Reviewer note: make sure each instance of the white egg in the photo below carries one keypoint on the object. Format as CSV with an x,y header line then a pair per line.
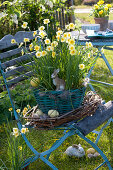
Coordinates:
x,y
39,112
53,113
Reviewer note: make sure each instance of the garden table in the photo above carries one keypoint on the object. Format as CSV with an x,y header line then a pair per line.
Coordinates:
x,y
81,38
81,128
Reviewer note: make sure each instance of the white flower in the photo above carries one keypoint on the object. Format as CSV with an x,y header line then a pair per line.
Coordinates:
x,y
15,130
46,21
41,28
13,41
24,25
71,26
38,54
86,81
49,48
26,40
44,53
3,14
71,47
49,3
81,66
59,32
54,43
47,41
34,33
14,18
42,34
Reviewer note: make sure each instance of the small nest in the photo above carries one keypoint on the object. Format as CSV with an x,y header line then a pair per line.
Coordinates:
x,y
88,108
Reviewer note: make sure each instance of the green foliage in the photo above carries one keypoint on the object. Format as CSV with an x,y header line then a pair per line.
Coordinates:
x,y
32,11
21,95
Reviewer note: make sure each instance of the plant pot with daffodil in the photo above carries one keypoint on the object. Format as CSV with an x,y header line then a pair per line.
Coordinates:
x,y
101,14
61,66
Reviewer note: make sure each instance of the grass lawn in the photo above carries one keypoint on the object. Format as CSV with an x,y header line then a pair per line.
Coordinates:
x,y
42,140
89,19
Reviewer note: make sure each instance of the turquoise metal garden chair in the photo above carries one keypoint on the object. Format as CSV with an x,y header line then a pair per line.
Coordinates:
x,y
81,128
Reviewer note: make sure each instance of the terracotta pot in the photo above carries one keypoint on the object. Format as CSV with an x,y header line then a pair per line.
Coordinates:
x,y
103,21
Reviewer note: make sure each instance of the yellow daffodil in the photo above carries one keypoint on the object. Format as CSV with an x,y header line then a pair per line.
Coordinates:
x,y
108,5
41,28
53,54
36,47
71,47
46,21
100,2
96,6
71,42
72,52
13,41
10,109
24,25
26,40
101,12
106,8
71,26
47,41
38,54
24,112
44,53
18,110
20,148
81,66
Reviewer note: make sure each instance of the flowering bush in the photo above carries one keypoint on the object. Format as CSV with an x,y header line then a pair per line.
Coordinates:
x,y
61,53
101,9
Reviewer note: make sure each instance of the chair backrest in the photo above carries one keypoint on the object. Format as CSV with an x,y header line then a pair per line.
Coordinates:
x,y
11,58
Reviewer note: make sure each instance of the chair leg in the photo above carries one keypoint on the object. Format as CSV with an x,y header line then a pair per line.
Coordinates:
x,y
97,149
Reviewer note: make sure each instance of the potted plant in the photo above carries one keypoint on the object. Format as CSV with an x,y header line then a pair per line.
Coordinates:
x,y
60,68
101,14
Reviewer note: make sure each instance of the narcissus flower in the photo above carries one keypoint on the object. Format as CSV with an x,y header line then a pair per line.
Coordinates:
x,y
36,47
42,34
26,40
72,52
54,43
10,109
18,110
62,39
47,41
34,33
71,47
49,48
46,21
24,25
44,53
71,42
71,26
81,66
38,54
13,41
101,12
41,28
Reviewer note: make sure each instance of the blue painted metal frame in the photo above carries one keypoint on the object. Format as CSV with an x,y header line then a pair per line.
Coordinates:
x,y
71,131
